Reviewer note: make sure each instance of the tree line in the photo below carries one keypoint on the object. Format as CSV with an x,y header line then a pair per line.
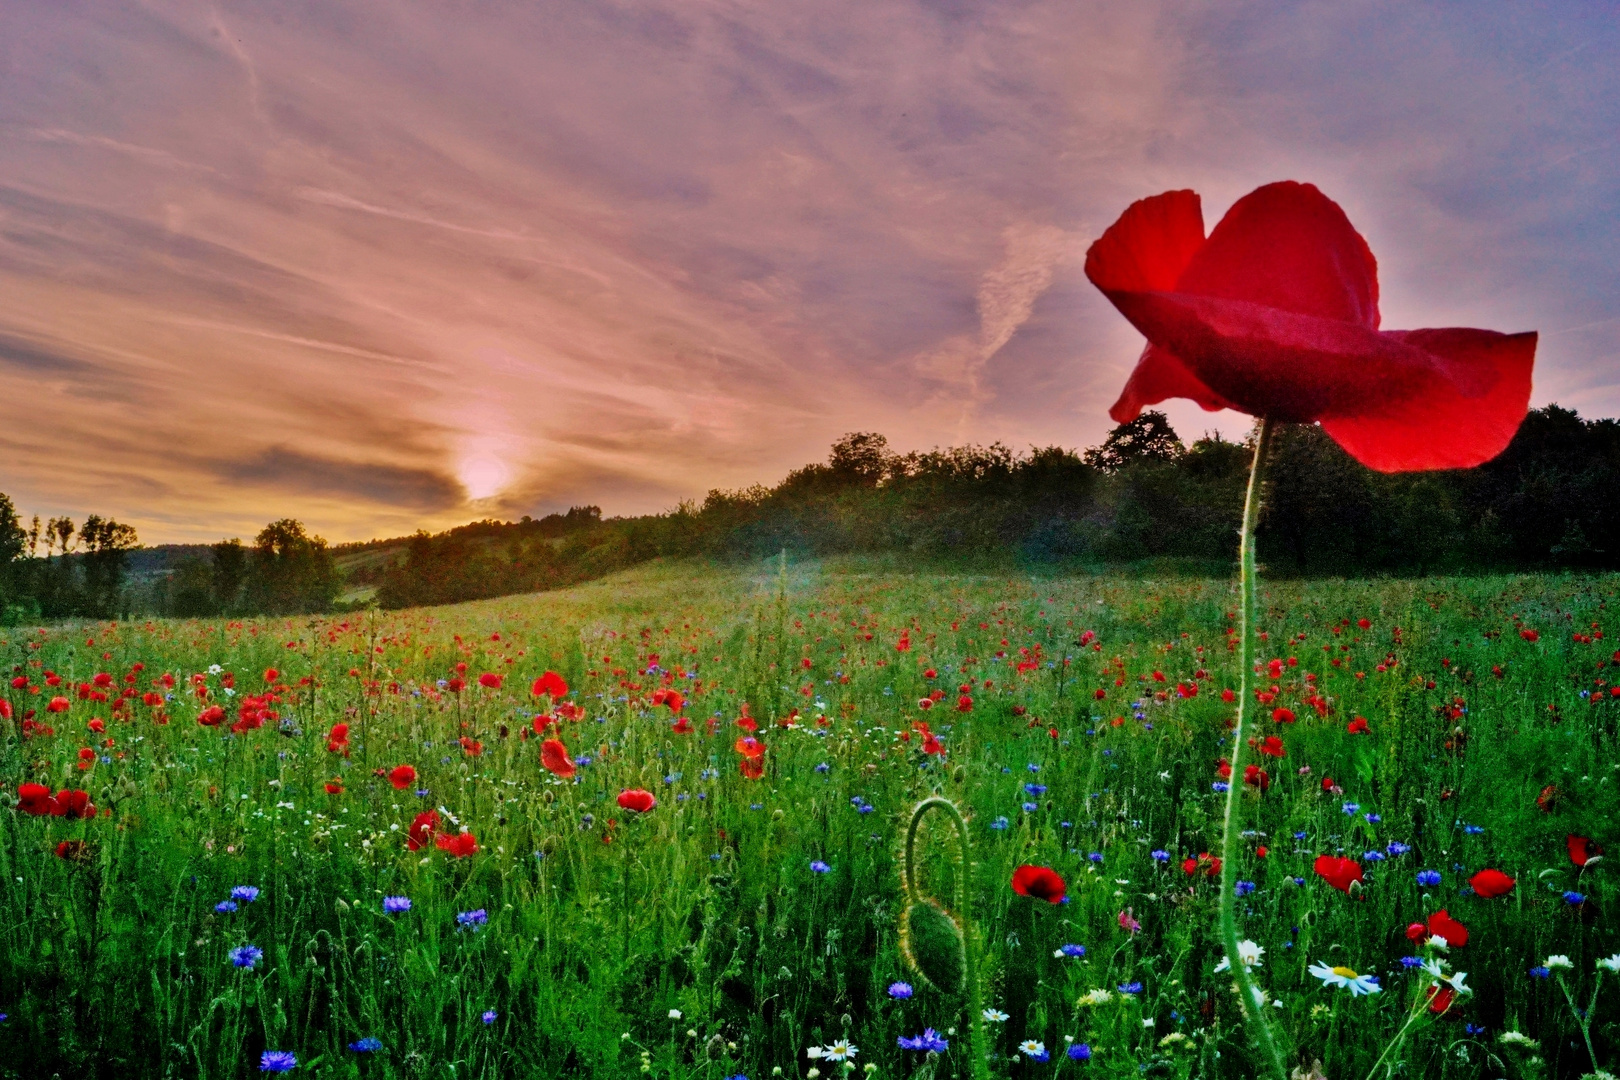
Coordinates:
x,y
1547,502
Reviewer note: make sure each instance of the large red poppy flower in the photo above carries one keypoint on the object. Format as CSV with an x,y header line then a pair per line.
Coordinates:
x,y
402,776
73,804
458,844
550,683
1276,315
1040,882
1491,883
1581,849
423,826
35,799
1442,925
1338,872
554,756
638,800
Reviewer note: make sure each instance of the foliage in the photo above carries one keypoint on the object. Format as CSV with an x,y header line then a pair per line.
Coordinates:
x,y
1090,743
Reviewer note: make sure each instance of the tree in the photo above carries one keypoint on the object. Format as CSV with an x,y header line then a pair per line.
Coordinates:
x,y
230,571
290,572
860,458
13,542
107,544
1147,438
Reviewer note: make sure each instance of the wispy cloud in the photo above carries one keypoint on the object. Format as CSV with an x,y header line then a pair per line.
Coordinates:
x,y
381,266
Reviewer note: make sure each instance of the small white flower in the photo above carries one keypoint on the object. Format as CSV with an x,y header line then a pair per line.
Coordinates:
x,y
1248,952
1032,1048
994,1016
841,1050
1148,1022
1345,977
1515,1038
1098,996
1438,943
1558,962
1610,963
813,1053
674,1014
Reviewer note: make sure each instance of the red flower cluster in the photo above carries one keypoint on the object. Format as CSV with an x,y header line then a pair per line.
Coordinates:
x,y
37,800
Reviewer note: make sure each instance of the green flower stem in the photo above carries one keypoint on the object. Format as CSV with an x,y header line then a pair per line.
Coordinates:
x,y
970,939
1253,1001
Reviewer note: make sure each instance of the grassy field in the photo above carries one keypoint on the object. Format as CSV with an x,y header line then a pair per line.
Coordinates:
x,y
1439,728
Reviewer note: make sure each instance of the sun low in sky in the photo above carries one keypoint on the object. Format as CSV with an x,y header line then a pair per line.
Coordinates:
x,y
380,266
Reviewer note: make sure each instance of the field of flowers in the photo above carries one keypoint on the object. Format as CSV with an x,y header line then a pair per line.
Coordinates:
x,y
656,826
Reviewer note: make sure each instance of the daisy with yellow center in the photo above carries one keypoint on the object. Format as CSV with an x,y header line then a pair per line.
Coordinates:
x,y
1358,985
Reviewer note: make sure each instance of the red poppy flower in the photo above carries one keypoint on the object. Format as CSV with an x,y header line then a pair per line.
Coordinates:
x,y
1442,925
550,683
1255,776
683,726
1338,872
423,826
751,768
1532,636
490,680
1040,882
750,747
35,799
73,804
1276,315
1358,726
554,756
1548,799
931,744
1271,746
670,697
337,740
402,776
212,716
271,674
1581,849
458,844
638,800
964,704
1491,883
1416,931
58,704
1440,998
333,787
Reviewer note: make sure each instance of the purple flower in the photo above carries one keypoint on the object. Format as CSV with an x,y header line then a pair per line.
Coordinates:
x,y
225,906
474,918
246,956
818,866
277,1061
1080,1052
249,893
489,1016
396,905
900,990
929,1040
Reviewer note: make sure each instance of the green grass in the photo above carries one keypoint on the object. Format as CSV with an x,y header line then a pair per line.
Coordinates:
x,y
115,962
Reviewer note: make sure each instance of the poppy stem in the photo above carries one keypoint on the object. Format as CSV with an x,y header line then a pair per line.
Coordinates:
x,y
1253,1001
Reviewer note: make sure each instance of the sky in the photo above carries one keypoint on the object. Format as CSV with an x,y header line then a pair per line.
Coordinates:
x,y
383,266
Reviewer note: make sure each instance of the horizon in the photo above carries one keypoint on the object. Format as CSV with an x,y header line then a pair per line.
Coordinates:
x,y
381,270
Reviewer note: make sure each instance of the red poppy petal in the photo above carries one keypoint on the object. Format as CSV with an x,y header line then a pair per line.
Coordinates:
x,y
1159,376
1150,245
1290,247
1474,398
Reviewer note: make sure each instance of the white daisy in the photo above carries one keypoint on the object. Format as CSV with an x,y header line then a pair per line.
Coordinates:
x,y
1611,963
994,1016
839,1051
1248,952
1098,996
1558,962
1343,976
1515,1038
1032,1048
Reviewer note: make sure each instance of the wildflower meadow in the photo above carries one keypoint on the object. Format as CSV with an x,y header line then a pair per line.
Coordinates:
x,y
697,821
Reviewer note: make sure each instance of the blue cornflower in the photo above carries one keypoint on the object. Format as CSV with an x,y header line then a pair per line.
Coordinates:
x,y
1474,1029
1300,835
756,806
1130,988
396,905
1574,898
1065,824
999,823
1034,767
249,893
477,917
929,1040
1080,1052
1374,856
1073,950
277,1061
225,906
866,808
1473,830
1427,878
1373,818
1244,888
1220,785
1539,972
368,1045
246,956
900,990
1411,961
1035,789
1095,856
818,866
1160,855
823,767
1030,808
1395,847
738,1076
1298,880
1350,808
583,761
489,1016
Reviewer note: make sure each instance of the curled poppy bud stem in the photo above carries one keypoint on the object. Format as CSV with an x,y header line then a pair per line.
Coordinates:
x,y
1252,999
933,941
